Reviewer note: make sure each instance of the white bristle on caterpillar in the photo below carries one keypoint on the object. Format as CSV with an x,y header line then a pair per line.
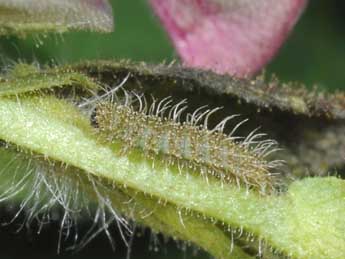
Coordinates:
x,y
157,129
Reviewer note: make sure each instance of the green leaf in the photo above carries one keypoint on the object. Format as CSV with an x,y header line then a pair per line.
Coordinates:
x,y
31,16
25,78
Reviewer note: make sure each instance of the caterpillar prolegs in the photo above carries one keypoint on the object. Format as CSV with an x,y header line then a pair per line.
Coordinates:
x,y
184,139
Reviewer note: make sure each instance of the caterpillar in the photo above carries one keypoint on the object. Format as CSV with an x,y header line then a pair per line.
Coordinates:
x,y
158,130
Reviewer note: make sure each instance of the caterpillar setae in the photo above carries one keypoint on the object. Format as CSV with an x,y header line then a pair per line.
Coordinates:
x,y
158,130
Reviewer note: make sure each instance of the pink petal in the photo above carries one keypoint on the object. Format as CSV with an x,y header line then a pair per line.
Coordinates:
x,y
228,36
75,14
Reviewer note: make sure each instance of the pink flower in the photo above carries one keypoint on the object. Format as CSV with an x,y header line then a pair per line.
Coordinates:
x,y
237,37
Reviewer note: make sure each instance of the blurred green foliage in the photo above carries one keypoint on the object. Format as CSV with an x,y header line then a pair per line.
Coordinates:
x,y
137,36
314,54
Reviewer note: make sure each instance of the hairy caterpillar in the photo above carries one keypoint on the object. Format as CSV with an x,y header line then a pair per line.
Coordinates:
x,y
157,129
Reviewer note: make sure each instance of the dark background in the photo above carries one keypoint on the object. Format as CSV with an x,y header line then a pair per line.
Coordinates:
x,y
314,54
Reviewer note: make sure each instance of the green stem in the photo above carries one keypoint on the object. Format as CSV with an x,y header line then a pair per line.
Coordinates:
x,y
161,218
168,220
26,124
29,123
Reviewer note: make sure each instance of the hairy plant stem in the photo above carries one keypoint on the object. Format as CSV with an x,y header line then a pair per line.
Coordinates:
x,y
32,123
159,217
166,219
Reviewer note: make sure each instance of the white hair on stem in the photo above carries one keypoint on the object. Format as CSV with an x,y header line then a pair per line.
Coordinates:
x,y
48,188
